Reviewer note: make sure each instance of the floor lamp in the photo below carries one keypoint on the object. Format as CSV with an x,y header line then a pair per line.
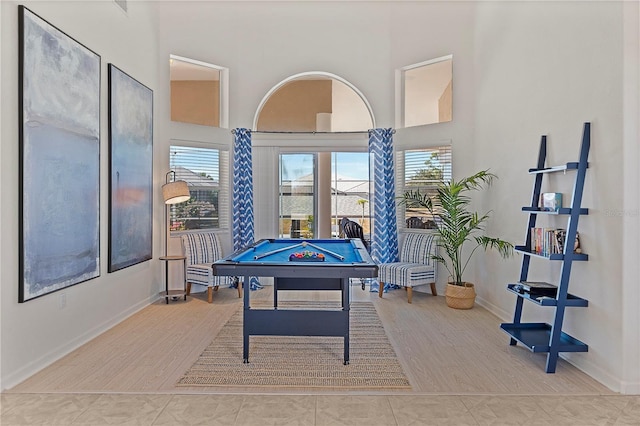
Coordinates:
x,y
173,193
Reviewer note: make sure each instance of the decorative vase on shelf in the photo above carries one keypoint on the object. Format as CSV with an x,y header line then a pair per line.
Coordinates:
x,y
460,296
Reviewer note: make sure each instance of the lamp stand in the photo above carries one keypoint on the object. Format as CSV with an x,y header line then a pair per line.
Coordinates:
x,y
166,231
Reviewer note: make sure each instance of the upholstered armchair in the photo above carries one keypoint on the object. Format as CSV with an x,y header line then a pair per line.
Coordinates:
x,y
201,250
415,266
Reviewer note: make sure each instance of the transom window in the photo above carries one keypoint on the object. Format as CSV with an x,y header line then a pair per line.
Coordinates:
x,y
198,92
426,92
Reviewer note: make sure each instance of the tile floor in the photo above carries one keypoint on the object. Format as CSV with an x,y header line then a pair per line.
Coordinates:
x,y
370,410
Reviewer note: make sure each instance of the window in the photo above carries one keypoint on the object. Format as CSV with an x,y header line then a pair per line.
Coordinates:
x,y
422,170
198,92
350,190
204,170
297,201
426,93
318,189
314,102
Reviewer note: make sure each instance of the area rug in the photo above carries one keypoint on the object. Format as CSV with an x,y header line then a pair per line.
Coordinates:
x,y
294,362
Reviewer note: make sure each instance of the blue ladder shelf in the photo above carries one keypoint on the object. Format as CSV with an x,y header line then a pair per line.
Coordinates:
x,y
542,337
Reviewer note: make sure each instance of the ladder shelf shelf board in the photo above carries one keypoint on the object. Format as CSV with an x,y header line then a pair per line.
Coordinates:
x,y
561,210
543,337
555,256
555,169
542,300
537,335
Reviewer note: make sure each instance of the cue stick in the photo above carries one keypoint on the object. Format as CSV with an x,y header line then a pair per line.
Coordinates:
x,y
269,253
336,255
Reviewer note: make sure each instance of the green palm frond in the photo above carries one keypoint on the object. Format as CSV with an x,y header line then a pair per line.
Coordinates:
x,y
455,224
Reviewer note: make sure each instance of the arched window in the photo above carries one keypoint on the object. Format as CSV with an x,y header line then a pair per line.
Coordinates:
x,y
314,102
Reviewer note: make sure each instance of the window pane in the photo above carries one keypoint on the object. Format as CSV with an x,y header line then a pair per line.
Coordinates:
x,y
200,168
350,189
423,170
297,188
427,92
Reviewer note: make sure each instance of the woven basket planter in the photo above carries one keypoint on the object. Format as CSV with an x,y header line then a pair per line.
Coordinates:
x,y
460,297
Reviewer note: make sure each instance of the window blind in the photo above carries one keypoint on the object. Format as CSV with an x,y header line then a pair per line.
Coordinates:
x,y
421,170
206,172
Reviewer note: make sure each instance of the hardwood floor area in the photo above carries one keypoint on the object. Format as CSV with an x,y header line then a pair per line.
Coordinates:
x,y
443,351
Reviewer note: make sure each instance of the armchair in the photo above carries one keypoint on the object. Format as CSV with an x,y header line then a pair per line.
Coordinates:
x,y
201,250
416,266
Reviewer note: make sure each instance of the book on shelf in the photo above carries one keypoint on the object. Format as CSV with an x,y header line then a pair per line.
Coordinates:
x,y
548,241
550,201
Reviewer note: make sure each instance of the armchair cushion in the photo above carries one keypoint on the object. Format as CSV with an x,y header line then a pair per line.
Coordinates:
x,y
415,266
406,274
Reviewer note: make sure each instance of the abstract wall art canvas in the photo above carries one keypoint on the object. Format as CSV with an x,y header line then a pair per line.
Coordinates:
x,y
131,170
59,127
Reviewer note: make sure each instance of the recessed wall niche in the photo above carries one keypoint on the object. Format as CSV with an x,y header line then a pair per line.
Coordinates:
x,y
195,91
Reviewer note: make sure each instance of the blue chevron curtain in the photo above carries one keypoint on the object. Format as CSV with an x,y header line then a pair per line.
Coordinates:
x,y
384,242
243,195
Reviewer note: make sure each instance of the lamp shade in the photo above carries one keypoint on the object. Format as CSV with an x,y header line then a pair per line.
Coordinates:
x,y
175,192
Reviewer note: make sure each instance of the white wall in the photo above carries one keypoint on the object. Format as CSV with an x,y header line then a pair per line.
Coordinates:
x,y
545,68
1,209
36,333
262,43
631,200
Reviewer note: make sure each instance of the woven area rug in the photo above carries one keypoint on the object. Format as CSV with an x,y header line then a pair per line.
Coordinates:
x,y
292,361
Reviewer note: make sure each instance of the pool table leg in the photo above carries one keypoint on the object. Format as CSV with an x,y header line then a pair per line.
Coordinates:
x,y
346,350
346,306
275,292
245,350
245,332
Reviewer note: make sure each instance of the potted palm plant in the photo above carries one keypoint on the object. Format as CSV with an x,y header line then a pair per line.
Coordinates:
x,y
456,228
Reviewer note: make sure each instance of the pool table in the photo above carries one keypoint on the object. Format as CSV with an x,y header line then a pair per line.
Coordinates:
x,y
340,260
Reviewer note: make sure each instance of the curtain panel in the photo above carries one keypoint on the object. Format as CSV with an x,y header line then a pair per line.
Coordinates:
x,y
242,208
384,241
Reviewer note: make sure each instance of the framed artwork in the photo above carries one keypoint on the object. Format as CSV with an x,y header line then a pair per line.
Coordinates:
x,y
130,171
59,131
